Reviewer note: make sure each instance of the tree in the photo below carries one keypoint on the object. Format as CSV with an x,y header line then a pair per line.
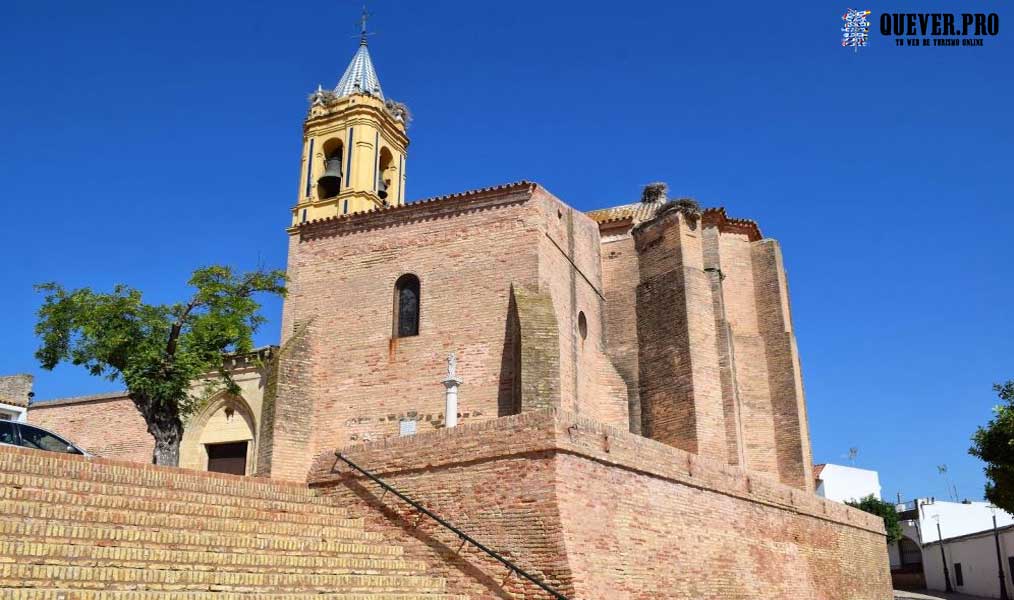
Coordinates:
x,y
157,350
884,510
994,444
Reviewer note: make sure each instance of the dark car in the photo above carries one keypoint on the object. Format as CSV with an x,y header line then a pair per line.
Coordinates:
x,y
37,438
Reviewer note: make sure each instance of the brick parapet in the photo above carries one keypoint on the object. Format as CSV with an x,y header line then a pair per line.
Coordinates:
x,y
595,511
557,431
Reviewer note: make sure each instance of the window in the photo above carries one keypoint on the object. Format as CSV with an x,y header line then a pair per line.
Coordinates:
x,y
32,437
7,433
406,306
582,325
959,580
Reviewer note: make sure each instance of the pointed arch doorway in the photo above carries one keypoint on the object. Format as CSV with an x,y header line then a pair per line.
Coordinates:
x,y
220,438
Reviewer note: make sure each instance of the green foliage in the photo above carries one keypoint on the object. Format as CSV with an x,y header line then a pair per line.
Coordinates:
x,y
157,350
994,444
884,510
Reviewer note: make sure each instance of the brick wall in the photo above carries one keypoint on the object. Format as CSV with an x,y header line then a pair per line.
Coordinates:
x,y
602,513
107,425
14,389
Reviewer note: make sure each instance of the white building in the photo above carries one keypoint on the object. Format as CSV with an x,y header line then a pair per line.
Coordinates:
x,y
913,558
841,483
972,562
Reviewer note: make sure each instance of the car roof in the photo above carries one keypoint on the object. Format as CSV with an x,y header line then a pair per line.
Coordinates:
x,y
62,437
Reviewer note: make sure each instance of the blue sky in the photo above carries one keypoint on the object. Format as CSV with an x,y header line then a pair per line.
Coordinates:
x,y
140,140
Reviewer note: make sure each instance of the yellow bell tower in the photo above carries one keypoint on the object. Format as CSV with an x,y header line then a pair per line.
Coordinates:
x,y
354,146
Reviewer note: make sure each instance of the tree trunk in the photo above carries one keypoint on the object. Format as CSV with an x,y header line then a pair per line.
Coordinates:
x,y
165,425
168,433
167,452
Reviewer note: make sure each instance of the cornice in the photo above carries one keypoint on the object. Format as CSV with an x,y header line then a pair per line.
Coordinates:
x,y
421,210
355,113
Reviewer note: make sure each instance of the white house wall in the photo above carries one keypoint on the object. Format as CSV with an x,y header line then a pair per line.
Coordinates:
x,y
977,556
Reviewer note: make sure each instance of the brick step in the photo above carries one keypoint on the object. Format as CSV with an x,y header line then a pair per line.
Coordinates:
x,y
37,594
43,497
42,552
349,529
185,579
78,487
20,460
368,544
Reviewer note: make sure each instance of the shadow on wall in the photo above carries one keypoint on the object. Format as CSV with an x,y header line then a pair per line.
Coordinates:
x,y
509,397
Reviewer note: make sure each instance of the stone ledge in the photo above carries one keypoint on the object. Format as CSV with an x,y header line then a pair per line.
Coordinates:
x,y
556,431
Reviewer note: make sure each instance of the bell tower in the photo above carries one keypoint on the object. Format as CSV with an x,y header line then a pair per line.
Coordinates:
x,y
354,145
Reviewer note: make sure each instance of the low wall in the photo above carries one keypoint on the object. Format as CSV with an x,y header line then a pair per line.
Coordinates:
x,y
106,425
602,513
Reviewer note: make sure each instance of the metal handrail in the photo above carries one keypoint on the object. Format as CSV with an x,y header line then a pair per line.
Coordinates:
x,y
461,534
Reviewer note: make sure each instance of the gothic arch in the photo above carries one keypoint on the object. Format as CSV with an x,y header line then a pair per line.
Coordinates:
x,y
194,455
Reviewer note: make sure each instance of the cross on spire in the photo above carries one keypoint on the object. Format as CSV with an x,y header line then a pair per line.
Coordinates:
x,y
362,26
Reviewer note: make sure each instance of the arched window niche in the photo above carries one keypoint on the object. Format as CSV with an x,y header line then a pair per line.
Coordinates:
x,y
406,306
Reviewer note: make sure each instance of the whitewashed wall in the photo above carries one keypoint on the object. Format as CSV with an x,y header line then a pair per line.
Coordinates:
x,y
841,483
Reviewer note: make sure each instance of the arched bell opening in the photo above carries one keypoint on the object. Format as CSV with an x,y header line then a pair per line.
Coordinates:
x,y
330,183
386,172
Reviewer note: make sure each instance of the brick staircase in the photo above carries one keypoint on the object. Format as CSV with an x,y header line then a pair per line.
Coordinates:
x,y
90,529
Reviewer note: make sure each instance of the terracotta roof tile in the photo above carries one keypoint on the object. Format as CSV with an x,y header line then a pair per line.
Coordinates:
x,y
638,212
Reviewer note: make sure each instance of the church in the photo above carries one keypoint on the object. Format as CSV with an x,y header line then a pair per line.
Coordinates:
x,y
630,416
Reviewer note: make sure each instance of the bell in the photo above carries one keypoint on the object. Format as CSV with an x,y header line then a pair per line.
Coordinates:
x,y
382,192
330,182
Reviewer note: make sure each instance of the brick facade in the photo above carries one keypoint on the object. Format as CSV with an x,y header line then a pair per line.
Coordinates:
x,y
602,513
106,425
